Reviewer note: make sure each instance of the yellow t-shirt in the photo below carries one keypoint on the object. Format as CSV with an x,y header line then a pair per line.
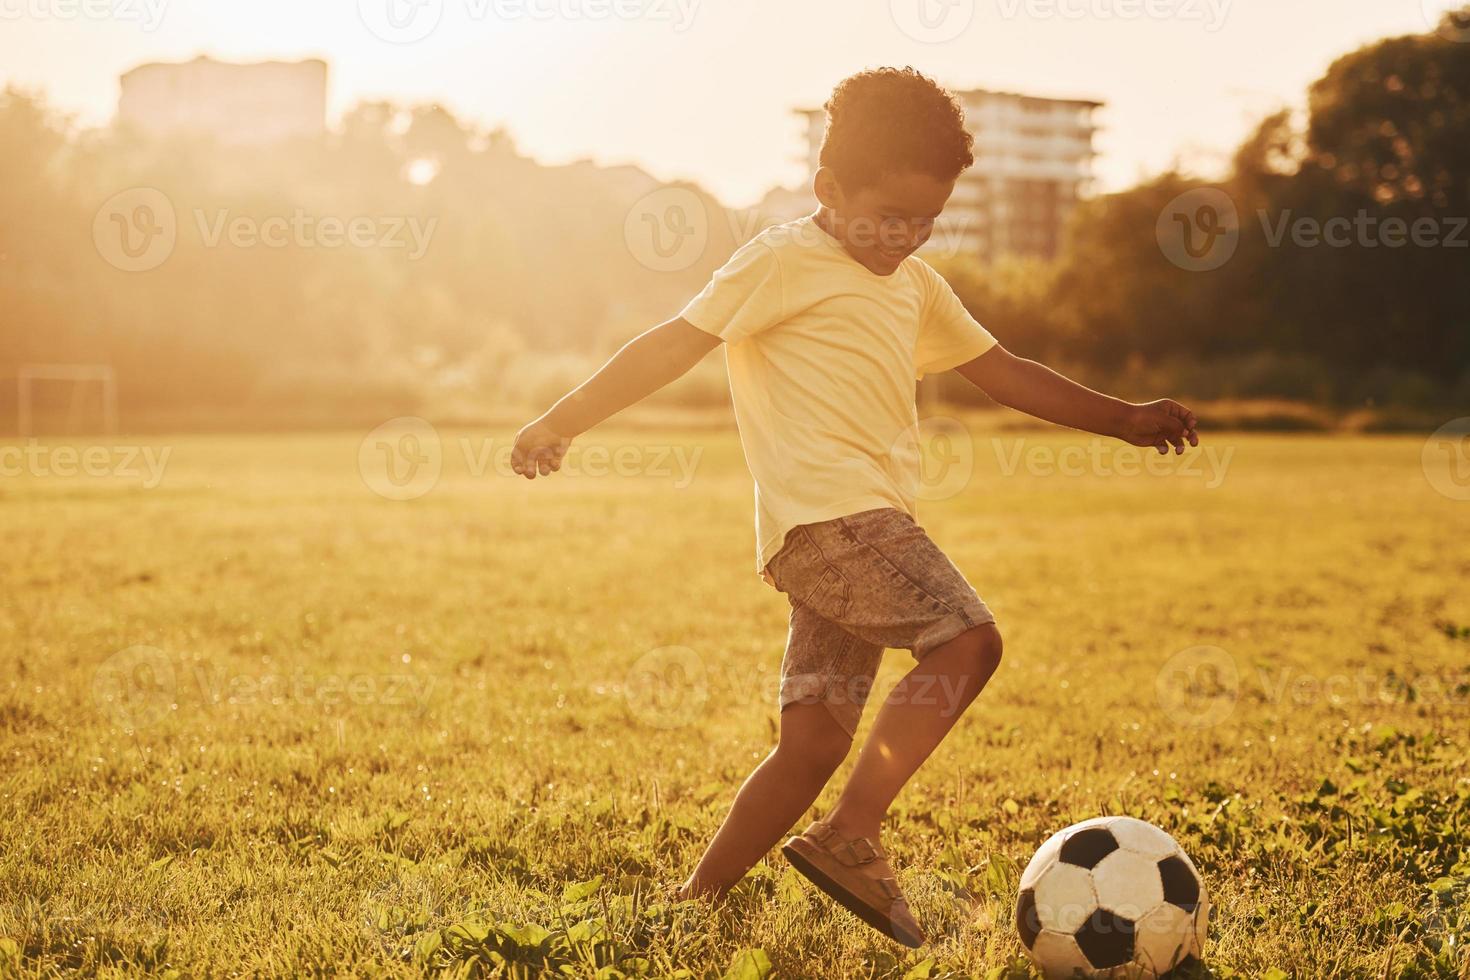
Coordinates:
x,y
822,355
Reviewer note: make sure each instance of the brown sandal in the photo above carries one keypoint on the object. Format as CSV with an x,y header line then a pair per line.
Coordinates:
x,y
850,872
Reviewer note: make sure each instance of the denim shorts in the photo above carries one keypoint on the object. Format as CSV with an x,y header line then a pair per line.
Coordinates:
x,y
859,585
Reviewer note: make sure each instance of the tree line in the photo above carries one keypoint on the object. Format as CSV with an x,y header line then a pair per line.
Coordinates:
x,y
408,259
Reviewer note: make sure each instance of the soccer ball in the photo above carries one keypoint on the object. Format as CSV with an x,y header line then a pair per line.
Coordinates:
x,y
1111,896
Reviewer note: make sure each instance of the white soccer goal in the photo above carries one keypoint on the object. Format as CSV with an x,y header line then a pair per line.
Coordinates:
x,y
81,377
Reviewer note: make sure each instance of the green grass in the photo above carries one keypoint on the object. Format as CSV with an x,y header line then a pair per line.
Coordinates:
x,y
381,737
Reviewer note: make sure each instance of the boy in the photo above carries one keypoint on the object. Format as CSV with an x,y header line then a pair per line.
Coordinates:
x,y
827,320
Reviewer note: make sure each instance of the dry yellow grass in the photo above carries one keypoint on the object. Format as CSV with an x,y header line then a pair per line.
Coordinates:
x,y
260,719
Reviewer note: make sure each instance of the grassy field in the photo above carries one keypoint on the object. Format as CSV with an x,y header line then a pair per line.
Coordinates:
x,y
258,718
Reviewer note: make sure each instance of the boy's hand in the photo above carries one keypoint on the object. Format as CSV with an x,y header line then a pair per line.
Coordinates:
x,y
538,449
1160,424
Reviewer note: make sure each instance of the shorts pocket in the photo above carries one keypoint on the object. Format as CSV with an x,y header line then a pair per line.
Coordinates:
x,y
898,559
830,596
804,574
792,565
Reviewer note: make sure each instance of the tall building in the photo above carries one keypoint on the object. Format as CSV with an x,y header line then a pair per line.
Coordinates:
x,y
255,103
1033,163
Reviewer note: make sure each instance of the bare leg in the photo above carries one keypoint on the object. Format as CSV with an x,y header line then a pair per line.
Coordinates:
x,y
773,798
914,720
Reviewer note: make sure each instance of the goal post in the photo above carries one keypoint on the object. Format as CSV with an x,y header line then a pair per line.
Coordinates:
x,y
81,378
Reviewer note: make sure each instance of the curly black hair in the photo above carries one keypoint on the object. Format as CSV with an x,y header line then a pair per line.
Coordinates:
x,y
889,120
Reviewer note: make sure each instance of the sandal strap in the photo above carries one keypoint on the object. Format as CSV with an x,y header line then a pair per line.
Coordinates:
x,y
854,853
822,833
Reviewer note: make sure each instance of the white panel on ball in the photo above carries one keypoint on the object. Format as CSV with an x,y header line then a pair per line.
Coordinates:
x,y
1042,859
1064,898
1059,957
1144,838
1137,909
1164,937
1128,883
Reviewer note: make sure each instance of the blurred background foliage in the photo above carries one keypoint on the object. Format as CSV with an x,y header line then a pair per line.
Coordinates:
x,y
528,284
1387,134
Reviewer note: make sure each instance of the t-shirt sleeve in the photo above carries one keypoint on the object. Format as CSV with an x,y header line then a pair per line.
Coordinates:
x,y
948,335
745,296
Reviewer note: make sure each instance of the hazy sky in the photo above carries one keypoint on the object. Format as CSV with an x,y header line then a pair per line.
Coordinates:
x,y
703,89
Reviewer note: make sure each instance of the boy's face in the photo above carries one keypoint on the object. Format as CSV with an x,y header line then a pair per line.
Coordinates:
x,y
883,223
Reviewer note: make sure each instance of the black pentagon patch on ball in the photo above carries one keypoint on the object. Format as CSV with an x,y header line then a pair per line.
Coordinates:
x,y
1106,939
1181,887
1028,924
1087,847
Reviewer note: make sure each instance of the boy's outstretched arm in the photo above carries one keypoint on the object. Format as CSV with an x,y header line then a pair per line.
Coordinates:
x,y
1037,390
644,365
